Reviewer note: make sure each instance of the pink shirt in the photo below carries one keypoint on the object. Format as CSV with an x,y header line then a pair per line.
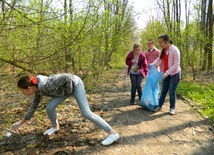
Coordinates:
x,y
173,61
151,56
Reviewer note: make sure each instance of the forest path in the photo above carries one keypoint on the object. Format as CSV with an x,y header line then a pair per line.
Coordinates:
x,y
148,133
142,132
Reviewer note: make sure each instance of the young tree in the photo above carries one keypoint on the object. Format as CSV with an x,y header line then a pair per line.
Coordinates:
x,y
207,30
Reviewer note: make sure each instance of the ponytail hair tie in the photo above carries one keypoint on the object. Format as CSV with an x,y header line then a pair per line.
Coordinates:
x,y
33,80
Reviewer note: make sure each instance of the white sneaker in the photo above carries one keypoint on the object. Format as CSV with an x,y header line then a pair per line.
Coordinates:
x,y
157,109
50,131
172,111
111,139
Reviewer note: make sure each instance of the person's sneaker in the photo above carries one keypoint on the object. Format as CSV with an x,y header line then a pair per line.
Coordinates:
x,y
111,139
157,109
172,111
50,131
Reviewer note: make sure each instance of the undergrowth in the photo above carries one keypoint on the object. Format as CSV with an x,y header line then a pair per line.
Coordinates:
x,y
201,95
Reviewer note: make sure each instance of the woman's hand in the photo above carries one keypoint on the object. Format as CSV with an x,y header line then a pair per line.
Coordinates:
x,y
17,124
165,75
134,61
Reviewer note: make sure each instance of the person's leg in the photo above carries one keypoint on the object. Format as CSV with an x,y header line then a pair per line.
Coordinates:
x,y
164,90
174,80
51,112
80,96
133,79
50,108
139,85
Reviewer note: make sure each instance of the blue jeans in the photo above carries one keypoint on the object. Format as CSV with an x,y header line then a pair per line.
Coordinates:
x,y
80,96
170,83
136,84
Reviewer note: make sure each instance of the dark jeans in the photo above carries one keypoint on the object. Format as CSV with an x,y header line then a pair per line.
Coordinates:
x,y
170,84
136,82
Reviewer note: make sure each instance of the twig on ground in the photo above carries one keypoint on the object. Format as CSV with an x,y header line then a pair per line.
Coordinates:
x,y
167,135
156,138
15,134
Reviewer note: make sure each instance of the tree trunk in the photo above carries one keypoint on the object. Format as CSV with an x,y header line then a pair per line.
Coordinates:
x,y
66,48
203,30
210,32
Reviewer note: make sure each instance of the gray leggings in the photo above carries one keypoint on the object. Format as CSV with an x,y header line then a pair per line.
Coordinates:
x,y
80,96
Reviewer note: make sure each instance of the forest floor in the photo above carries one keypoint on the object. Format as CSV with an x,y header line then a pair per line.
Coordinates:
x,y
142,132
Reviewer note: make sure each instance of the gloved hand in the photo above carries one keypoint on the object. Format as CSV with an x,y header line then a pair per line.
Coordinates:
x,y
165,75
16,125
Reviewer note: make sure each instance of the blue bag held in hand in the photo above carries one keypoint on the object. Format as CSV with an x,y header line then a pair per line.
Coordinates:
x,y
149,98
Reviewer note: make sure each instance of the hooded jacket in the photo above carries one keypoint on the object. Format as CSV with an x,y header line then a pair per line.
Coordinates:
x,y
54,86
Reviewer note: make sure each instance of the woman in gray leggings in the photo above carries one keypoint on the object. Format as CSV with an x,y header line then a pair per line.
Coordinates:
x,y
60,87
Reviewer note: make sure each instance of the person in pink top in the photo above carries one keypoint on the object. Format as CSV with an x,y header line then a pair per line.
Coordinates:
x,y
137,70
152,52
169,61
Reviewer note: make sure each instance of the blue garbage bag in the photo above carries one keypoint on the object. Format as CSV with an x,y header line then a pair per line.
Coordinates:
x,y
149,98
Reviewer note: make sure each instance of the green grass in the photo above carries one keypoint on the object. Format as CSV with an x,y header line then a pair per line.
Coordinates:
x,y
202,96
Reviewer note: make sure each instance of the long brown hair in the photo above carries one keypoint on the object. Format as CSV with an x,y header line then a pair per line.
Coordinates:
x,y
165,38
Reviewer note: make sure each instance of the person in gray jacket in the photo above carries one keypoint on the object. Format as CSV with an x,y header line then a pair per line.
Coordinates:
x,y
60,87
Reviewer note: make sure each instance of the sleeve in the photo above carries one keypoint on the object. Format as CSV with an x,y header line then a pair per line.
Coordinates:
x,y
144,65
176,61
33,107
129,59
146,55
157,61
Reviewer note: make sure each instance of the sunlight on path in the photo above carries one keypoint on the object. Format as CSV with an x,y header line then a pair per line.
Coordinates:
x,y
145,132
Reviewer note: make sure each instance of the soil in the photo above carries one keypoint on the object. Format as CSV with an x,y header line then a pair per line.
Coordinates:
x,y
142,132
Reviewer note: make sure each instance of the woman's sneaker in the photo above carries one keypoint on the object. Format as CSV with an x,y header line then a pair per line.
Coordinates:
x,y
50,131
172,111
157,109
111,139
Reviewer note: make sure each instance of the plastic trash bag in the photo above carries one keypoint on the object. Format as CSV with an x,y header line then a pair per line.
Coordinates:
x,y
149,98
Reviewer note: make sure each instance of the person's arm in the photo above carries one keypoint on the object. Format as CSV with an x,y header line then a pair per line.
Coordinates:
x,y
33,106
17,124
30,111
158,55
129,59
157,61
145,65
176,61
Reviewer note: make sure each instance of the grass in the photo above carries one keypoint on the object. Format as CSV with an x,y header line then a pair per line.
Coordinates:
x,y
201,95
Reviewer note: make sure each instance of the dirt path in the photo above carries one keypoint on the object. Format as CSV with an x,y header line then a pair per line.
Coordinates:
x,y
142,132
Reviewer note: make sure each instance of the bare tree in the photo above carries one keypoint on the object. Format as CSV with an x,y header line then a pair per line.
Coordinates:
x,y
210,34
164,5
207,29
